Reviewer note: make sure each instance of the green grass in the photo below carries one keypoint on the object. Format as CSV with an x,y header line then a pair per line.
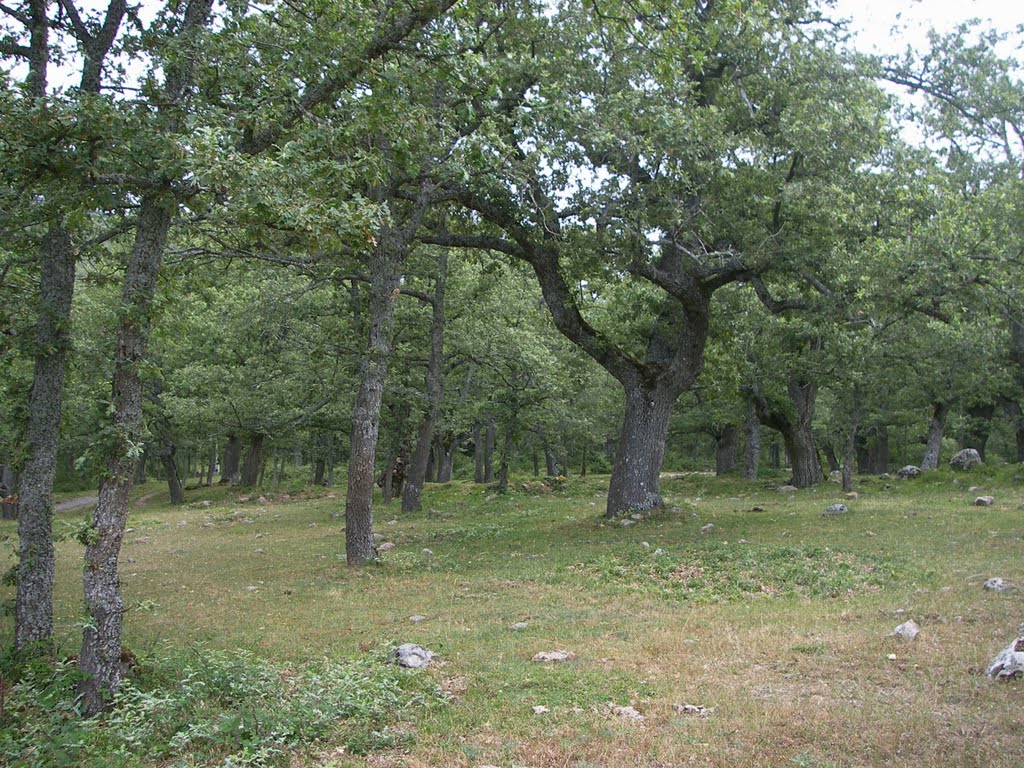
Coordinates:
x,y
779,619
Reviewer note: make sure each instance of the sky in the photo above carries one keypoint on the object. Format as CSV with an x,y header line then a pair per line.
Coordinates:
x,y
874,20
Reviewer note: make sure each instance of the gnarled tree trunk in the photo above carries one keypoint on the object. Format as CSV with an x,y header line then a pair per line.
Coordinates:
x,y
253,460
34,600
167,451
933,442
726,449
795,429
751,445
230,471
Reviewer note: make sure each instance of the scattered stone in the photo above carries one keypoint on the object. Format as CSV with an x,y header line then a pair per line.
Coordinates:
x,y
908,472
984,501
908,630
629,713
627,522
636,516
708,528
540,709
426,552
417,619
974,489
743,541
1009,663
331,496
519,626
659,551
835,509
852,495
787,489
966,459
696,710
997,585
386,546
757,509
260,551
891,657
251,588
262,500
183,523
835,476
645,544
412,656
553,657
492,497
677,510
378,538
392,522
885,476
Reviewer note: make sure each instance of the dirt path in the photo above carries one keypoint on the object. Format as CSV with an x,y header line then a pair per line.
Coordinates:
x,y
72,504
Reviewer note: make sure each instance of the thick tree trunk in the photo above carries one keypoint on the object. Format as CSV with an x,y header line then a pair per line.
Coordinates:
x,y
446,448
253,460
803,455
797,435
100,658
321,468
8,492
726,450
34,600
751,445
933,442
140,467
478,454
417,472
635,483
979,426
177,495
229,471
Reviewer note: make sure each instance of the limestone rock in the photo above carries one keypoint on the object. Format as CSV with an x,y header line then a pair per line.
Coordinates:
x,y
835,509
708,528
412,656
695,710
908,472
627,713
853,495
984,501
966,459
386,546
997,585
553,657
787,489
519,626
908,630
417,618
426,552
1009,663
540,709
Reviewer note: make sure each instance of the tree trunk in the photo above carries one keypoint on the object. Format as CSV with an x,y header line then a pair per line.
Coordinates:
x,y
171,471
803,455
1016,414
384,265
321,468
506,456
478,454
229,472
726,450
446,448
635,483
583,462
752,445
330,460
851,441
434,392
492,428
878,450
253,460
140,467
979,426
100,657
550,460
797,435
831,458
933,443
212,468
34,600
8,492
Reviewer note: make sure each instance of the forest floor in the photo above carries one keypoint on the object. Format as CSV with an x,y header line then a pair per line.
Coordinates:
x,y
776,621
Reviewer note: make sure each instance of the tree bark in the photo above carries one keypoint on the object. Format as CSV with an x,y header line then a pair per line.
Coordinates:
x,y
212,468
979,426
253,460
417,472
34,599
167,451
100,658
478,453
446,448
751,445
830,456
933,442
795,429
229,472
489,438
726,450
878,450
634,483
851,441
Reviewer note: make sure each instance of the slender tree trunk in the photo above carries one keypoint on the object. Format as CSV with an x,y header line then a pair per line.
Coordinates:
x,y
635,483
506,457
933,443
550,460
167,451
851,441
583,462
101,644
775,455
140,467
752,445
34,600
8,492
726,450
417,474
253,460
489,438
478,454
831,458
384,265
330,460
212,468
229,471
536,463
321,469
446,449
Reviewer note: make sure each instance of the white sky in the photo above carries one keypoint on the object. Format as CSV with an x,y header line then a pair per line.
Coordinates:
x,y
889,26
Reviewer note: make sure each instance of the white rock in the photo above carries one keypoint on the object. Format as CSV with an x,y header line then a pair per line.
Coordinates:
x,y
417,619
1009,663
553,657
787,489
984,501
519,626
835,509
412,656
891,657
692,709
540,709
708,528
908,630
627,522
629,713
386,546
997,585
426,552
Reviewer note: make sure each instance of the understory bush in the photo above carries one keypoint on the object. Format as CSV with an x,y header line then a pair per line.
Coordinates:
x,y
212,708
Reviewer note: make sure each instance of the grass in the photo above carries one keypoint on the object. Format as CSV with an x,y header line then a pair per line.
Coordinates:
x,y
777,618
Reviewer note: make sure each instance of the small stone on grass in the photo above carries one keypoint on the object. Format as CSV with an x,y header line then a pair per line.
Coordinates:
x,y
908,630
553,657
